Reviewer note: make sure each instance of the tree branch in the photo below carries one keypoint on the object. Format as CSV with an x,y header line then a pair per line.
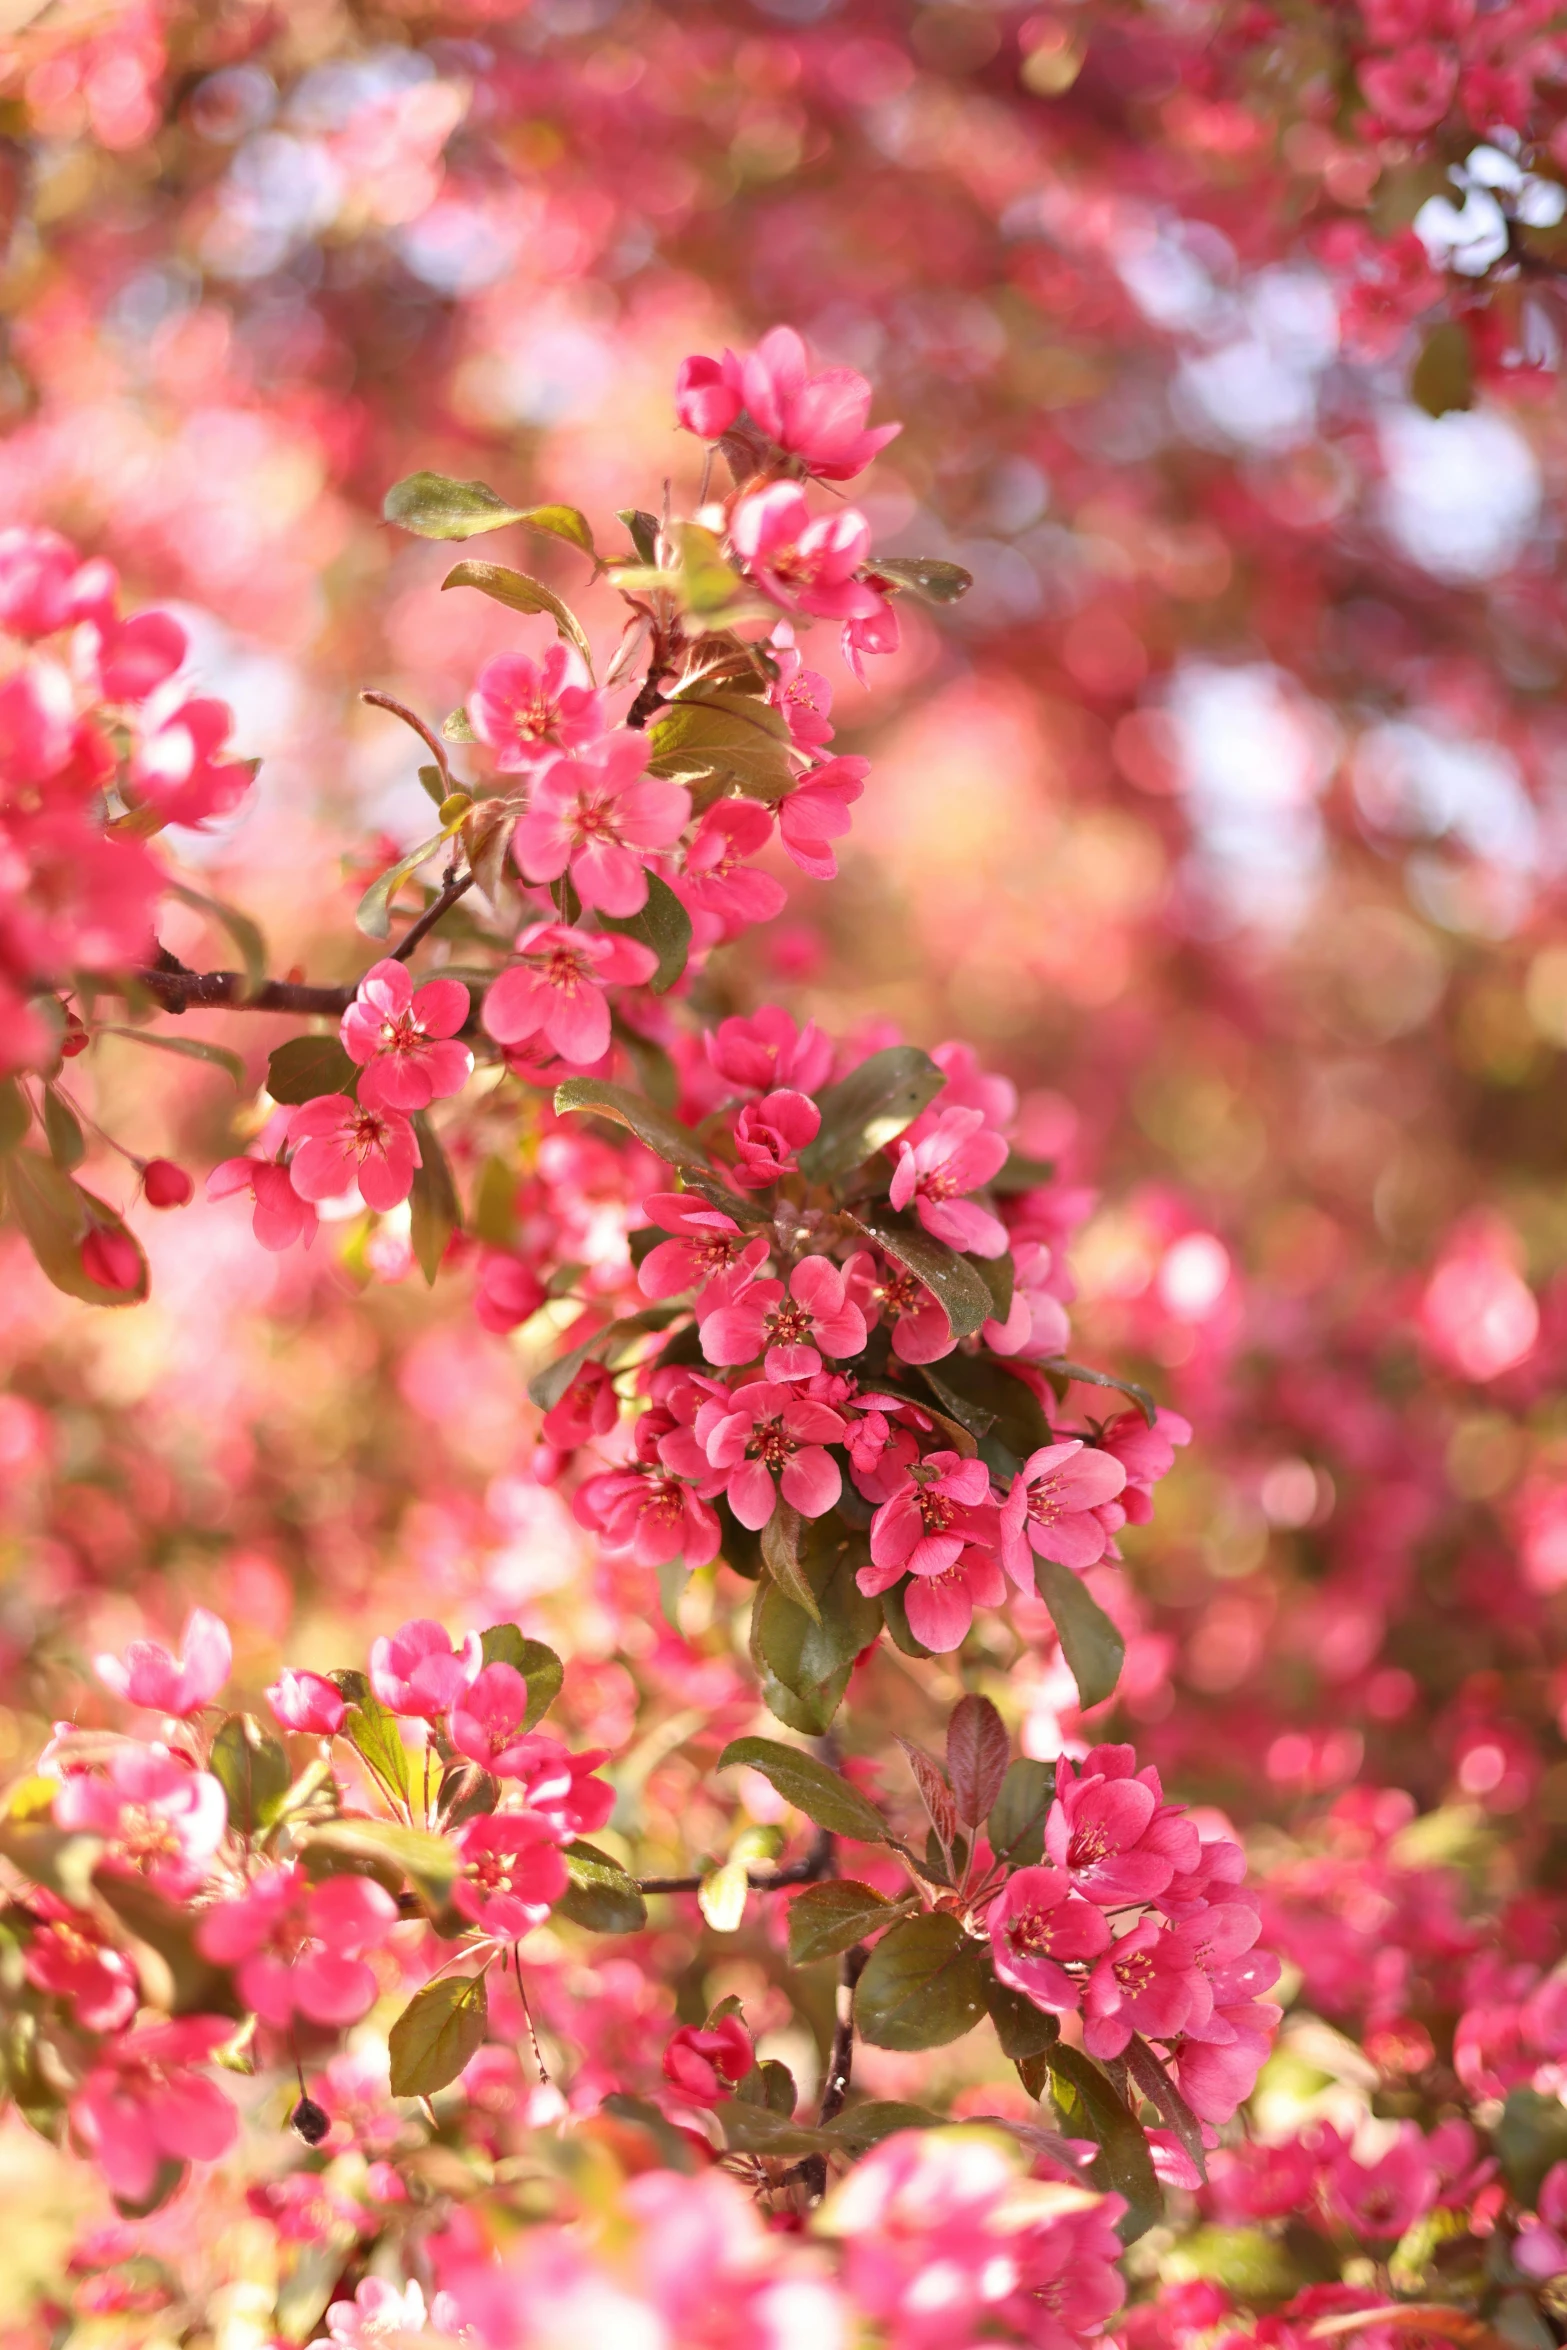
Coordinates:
x,y
432,914
812,2172
816,1864
199,991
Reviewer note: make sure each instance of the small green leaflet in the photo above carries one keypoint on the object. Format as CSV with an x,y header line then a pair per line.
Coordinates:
x,y
1092,1646
192,1048
810,1786
521,593
440,2030
434,506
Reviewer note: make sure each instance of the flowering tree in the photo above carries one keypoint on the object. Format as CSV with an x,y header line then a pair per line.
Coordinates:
x,y
791,1933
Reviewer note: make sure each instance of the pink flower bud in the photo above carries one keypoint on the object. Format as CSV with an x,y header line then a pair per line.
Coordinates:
x,y
307,1701
165,1184
112,1259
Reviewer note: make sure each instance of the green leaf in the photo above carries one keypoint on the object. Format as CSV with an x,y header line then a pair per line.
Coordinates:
x,y
372,1731
1530,2137
865,2126
440,2030
721,741
252,1768
721,1897
989,1400
977,1751
1059,1368
457,727
519,593
924,1984
810,1786
1156,2085
245,933
672,2147
951,1279
999,1275
1092,1646
15,1116
190,1048
428,1862
665,1136
373,914
829,1918
1251,2265
1443,375
664,925
168,1929
644,531
804,1657
433,506
56,1216
895,1610
1023,2029
868,1109
931,579
781,1557
600,1896
1126,2164
63,1131
435,1209
307,1067
539,1666
1016,1827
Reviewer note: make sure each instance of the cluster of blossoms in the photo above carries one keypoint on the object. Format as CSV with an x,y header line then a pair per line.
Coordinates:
x,y
206,1837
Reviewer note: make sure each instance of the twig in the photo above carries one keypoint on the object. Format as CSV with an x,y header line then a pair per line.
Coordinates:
x,y
432,914
411,718
817,1863
840,2065
196,991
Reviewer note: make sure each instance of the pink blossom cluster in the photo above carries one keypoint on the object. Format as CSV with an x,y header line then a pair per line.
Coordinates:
x,y
1185,1971
101,743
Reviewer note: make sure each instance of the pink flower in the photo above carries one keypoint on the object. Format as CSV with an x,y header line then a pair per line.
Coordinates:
x,y
767,1050
1478,1316
803,695
1215,2076
705,2065
600,815
942,1505
509,1292
1383,2199
770,1133
1036,1326
957,1155
940,1607
1037,1924
1541,2247
176,770
763,1431
559,1787
806,566
557,990
528,712
281,1216
511,1872
815,1317
1051,1508
1411,92
1104,1832
143,2104
297,1948
416,1671
486,1721
1146,1454
66,1957
40,574
717,881
921,1332
655,1517
876,633
816,813
819,419
402,1039
136,656
337,1142
307,1701
1146,1983
160,1819
588,1408
707,1247
379,2316
147,1674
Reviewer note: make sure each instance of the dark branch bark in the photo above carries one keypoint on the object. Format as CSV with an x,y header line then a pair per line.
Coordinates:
x,y
817,1863
432,914
840,2065
199,991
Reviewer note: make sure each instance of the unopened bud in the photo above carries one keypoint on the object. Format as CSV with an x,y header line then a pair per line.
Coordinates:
x,y
312,2121
455,806
111,1258
165,1184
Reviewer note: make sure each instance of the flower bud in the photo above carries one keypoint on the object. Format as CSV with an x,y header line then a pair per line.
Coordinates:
x,y
312,2121
165,1184
111,1258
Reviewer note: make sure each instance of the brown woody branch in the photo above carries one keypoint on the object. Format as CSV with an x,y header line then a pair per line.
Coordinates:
x,y
816,1864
